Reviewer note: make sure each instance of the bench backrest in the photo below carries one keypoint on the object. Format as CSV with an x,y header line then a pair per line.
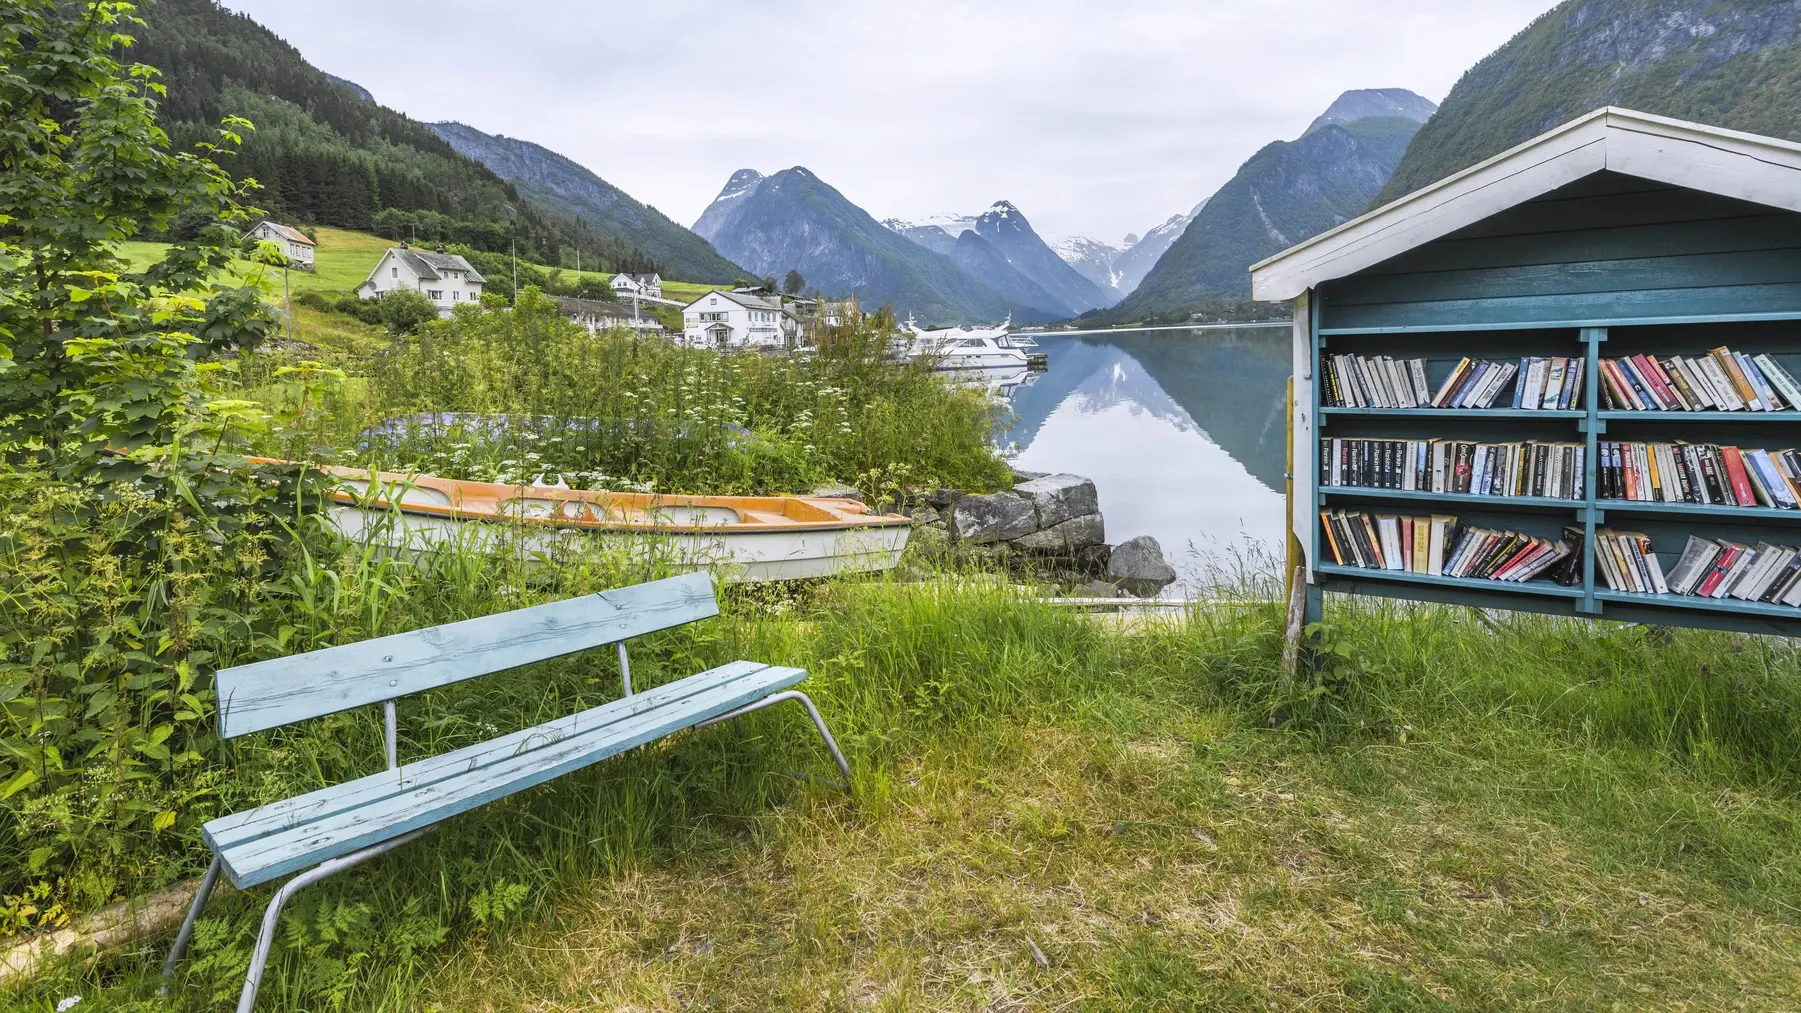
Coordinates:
x,y
269,694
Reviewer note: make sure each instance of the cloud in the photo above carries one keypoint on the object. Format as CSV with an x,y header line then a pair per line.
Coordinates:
x,y
1093,118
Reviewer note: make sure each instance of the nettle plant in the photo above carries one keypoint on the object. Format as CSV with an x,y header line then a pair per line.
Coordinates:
x,y
138,548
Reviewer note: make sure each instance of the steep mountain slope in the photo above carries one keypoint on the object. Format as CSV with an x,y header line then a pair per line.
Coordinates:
x,y
1732,63
1008,233
324,153
604,209
794,220
1091,258
1287,192
1136,263
1368,103
980,260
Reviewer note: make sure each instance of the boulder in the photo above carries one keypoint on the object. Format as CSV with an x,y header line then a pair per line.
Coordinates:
x,y
1065,538
1027,476
1139,567
923,514
1059,498
1102,589
941,499
838,492
999,517
1093,560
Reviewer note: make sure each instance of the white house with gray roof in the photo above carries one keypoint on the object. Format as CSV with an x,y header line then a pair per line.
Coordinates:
x,y
293,242
446,279
737,320
648,285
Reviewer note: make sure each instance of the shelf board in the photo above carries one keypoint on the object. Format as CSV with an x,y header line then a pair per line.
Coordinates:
x,y
1359,492
1464,413
1781,416
1696,510
1732,605
1536,587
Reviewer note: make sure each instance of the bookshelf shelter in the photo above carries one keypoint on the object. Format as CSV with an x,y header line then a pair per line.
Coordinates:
x,y
1618,235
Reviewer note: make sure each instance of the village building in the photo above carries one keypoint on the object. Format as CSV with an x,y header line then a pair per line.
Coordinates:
x,y
293,242
649,286
446,279
597,315
738,320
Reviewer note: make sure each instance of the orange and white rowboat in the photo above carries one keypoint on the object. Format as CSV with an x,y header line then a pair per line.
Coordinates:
x,y
746,538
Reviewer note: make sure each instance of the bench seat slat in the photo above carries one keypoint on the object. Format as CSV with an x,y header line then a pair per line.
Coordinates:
x,y
281,691
272,855
234,830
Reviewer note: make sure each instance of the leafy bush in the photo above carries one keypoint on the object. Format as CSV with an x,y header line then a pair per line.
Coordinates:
x,y
404,310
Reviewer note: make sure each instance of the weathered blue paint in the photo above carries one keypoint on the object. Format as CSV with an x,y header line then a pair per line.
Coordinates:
x,y
269,694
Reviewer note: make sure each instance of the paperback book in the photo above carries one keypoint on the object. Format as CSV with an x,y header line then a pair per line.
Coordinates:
x,y
1722,380
1526,468
1438,546
1702,473
1707,568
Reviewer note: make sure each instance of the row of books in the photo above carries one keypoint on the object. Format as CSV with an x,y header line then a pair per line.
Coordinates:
x,y
1528,468
1440,547
1353,381
1706,569
1721,380
1699,473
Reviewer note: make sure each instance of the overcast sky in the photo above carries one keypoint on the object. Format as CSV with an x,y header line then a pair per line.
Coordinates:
x,y
1094,118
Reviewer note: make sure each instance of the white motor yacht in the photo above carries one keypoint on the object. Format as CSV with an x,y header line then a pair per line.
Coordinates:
x,y
967,347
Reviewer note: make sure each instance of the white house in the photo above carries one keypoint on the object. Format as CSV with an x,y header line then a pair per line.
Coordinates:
x,y
596,315
445,278
294,244
647,285
737,320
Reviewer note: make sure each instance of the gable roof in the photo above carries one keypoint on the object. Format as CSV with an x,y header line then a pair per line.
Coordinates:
x,y
292,235
428,265
1763,170
743,299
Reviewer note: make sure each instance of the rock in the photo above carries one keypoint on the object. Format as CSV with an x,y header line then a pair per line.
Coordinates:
x,y
1027,476
941,499
1059,498
838,492
1065,538
1102,589
924,514
1139,567
998,517
1093,559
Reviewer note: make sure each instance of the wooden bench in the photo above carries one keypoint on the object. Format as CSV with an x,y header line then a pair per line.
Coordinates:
x,y
329,830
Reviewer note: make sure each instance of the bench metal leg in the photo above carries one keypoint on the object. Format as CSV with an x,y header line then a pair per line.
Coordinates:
x,y
812,711
266,938
207,882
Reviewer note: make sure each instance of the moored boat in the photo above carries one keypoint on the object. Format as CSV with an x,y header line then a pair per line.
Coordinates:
x,y
745,538
963,348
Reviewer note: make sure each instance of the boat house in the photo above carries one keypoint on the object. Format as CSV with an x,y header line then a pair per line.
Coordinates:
x,y
1614,249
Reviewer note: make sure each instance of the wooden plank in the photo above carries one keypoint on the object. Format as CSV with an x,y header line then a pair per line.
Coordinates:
x,y
1735,302
232,830
1546,217
269,694
303,846
1702,270
1773,230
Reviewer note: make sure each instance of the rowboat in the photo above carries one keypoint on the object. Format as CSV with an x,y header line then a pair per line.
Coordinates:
x,y
743,538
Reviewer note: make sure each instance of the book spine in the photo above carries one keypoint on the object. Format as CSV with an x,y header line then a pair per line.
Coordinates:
x,y
1735,473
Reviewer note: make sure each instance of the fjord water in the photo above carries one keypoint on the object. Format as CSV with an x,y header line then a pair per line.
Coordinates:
x,y
1182,431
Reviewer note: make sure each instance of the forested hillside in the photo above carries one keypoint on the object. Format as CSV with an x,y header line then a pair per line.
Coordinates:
x,y
1732,63
324,154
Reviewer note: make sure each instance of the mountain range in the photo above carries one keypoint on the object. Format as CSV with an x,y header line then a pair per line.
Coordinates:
x,y
563,185
1119,270
793,220
1034,273
1730,63
1287,192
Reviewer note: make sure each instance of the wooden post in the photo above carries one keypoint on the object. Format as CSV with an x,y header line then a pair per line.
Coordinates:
x,y
1294,564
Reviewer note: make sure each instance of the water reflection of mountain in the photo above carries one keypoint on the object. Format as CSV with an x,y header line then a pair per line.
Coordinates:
x,y
1232,385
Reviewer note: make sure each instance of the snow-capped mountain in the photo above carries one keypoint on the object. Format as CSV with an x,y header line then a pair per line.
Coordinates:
x,y
1006,232
1091,258
1135,263
1119,269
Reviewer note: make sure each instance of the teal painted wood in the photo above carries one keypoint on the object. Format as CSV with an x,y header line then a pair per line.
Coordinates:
x,y
1459,413
1691,417
1499,502
1592,339
616,727
1426,581
1741,302
1686,271
269,694
227,831
1626,506
1692,603
1772,230
1454,326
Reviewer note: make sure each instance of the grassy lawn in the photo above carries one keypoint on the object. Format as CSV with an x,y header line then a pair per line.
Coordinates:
x,y
1051,815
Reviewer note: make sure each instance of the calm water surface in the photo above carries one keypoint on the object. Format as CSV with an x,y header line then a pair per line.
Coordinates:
x,y
1182,432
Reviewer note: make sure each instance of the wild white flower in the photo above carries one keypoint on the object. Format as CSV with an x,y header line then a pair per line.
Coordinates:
x,y
65,1005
